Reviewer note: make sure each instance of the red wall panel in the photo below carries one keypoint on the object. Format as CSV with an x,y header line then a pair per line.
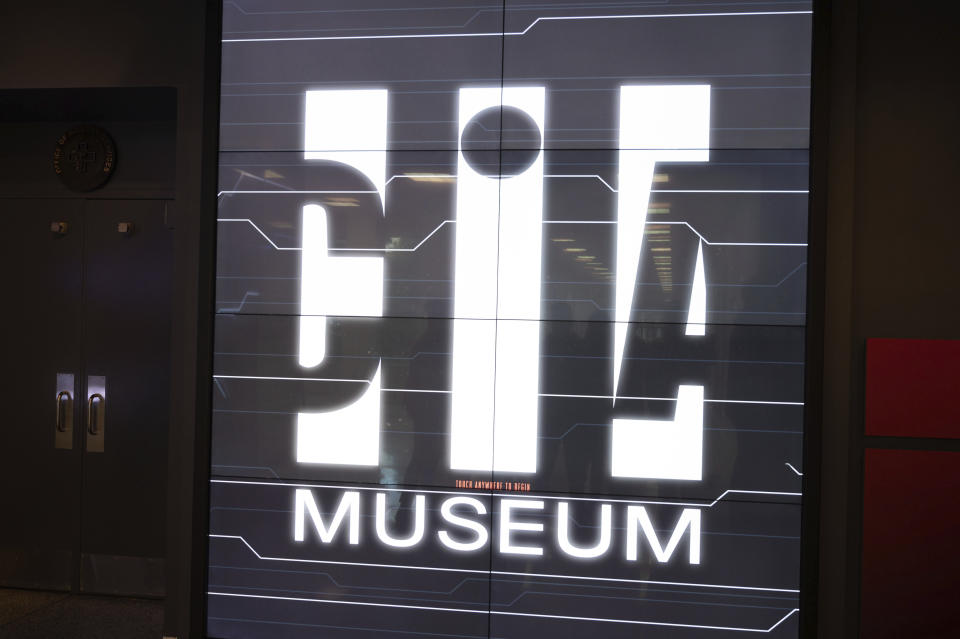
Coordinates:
x,y
911,524
913,388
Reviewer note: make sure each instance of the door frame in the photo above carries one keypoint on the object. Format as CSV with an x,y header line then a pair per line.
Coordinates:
x,y
188,494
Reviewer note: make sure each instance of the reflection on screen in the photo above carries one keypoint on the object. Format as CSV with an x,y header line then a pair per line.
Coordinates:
x,y
510,319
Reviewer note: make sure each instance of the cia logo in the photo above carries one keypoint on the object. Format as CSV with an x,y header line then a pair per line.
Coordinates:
x,y
497,276
84,158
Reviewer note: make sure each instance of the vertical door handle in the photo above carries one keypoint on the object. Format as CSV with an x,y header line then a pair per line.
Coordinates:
x,y
63,434
64,408
96,412
95,417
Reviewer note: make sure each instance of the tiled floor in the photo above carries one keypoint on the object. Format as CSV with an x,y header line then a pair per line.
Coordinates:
x,y
30,614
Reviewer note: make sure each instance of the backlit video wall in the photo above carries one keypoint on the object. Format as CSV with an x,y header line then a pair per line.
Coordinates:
x,y
509,333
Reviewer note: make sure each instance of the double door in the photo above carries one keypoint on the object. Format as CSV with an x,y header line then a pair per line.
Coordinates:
x,y
86,376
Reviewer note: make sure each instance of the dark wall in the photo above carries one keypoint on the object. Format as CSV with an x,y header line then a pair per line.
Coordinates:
x,y
111,43
908,160
890,102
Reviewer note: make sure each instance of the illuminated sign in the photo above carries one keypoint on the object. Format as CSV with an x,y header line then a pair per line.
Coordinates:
x,y
635,521
494,417
497,271
510,320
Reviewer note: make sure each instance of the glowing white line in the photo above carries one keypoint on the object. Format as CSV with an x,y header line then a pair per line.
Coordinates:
x,y
687,224
290,192
721,191
754,492
525,495
497,612
498,34
787,616
557,176
644,623
790,466
424,239
423,177
378,250
445,222
294,379
561,395
673,399
257,228
349,603
749,401
605,183
503,573
749,243
710,191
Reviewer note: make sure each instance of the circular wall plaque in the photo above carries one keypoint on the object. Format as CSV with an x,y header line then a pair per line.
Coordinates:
x,y
84,158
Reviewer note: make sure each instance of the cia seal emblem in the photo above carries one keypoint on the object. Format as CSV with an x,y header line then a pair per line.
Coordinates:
x,y
85,158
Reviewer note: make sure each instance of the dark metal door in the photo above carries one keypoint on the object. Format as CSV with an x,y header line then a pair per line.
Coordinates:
x,y
41,261
83,454
127,293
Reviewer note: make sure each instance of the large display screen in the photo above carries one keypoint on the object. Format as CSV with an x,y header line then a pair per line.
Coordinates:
x,y
509,333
